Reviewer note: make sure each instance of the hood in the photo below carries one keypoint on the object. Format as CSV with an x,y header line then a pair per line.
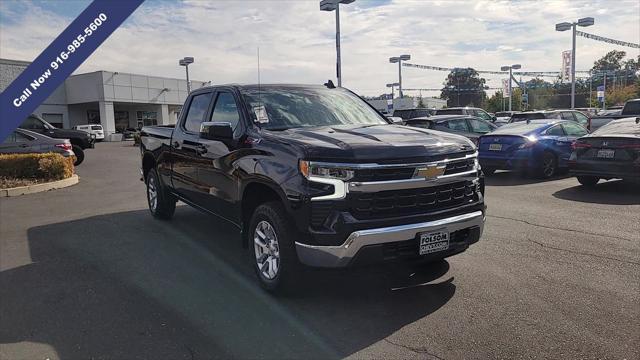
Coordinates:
x,y
359,143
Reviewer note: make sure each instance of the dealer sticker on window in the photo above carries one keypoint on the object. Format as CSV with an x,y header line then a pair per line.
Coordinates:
x,y
434,242
261,114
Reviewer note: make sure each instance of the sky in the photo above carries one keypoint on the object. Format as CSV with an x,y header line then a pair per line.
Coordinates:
x,y
297,40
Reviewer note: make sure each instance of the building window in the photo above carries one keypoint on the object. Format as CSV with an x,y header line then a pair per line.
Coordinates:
x,y
53,119
93,117
147,118
121,120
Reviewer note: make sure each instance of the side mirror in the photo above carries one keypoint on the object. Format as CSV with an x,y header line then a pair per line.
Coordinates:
x,y
494,118
216,130
395,120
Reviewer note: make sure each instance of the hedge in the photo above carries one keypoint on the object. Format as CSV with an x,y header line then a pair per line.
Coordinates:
x,y
47,166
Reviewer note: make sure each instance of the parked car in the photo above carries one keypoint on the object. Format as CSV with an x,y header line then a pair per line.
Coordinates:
x,y
470,127
129,133
406,114
502,117
472,111
22,141
631,108
571,115
611,152
80,140
314,176
537,147
95,129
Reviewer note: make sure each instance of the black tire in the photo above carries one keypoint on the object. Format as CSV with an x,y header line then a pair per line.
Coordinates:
x,y
79,154
288,269
488,171
162,205
549,166
589,181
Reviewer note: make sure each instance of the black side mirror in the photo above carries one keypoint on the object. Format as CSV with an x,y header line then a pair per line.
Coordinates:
x,y
216,130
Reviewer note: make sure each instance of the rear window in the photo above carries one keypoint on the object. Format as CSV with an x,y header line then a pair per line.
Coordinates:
x,y
425,124
450,112
631,108
96,127
526,116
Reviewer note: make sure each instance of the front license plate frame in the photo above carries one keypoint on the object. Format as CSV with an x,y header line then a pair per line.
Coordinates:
x,y
434,241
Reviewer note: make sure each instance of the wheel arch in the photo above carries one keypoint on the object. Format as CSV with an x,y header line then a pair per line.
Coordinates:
x,y
255,193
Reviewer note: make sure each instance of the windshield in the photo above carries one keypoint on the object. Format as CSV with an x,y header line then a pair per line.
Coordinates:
x,y
526,116
293,107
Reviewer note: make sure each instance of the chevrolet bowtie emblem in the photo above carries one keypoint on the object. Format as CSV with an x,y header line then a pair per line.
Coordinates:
x,y
429,172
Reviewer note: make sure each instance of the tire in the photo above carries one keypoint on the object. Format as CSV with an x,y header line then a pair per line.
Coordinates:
x,y
488,171
162,205
79,154
549,166
589,181
273,255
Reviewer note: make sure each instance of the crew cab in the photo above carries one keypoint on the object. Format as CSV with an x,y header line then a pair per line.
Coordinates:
x,y
80,140
313,176
631,108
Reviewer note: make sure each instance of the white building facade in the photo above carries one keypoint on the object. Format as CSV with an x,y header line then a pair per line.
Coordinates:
x,y
117,101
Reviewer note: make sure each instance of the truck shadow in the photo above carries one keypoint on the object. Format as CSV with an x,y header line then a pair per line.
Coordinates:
x,y
615,192
126,286
515,178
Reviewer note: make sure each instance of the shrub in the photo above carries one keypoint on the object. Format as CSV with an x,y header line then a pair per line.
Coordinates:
x,y
48,166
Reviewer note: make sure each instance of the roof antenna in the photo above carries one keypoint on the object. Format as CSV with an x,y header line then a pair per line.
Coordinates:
x,y
259,90
329,84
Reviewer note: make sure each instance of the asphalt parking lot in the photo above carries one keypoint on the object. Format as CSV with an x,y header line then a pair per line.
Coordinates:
x,y
85,272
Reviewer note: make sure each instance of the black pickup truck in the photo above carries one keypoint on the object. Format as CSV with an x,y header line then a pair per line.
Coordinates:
x,y
314,176
631,109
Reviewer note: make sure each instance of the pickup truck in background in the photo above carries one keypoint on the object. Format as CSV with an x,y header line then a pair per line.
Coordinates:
x,y
314,176
631,109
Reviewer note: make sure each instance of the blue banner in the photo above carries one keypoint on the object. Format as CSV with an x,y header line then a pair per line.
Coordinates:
x,y
65,54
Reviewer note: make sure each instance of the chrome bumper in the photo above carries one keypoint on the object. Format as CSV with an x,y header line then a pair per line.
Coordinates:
x,y
340,256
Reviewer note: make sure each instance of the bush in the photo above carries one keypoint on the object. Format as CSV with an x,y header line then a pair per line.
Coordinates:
x,y
48,166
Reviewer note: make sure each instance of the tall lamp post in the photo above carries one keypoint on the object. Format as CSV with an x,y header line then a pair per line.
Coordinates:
x,y
510,68
185,62
392,86
564,26
330,5
398,59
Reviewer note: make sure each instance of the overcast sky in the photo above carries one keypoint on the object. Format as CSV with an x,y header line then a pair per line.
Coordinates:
x,y
297,40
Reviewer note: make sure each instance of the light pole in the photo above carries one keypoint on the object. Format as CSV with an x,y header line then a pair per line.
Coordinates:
x,y
330,5
564,26
185,62
392,86
510,69
398,60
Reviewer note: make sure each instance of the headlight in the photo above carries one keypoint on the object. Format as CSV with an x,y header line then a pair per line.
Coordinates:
x,y
325,170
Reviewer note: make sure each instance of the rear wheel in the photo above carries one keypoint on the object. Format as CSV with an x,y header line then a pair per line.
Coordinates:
x,y
77,150
548,166
589,181
274,258
161,204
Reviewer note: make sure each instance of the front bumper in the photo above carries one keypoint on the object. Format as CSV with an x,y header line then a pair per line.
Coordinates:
x,y
343,255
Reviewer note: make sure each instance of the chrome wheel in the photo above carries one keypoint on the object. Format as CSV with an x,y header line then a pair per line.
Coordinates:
x,y
267,250
152,193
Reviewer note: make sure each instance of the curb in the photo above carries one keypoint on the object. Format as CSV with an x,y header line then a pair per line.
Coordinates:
x,y
32,189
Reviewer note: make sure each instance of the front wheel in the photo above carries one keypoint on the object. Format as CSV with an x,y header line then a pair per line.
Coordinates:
x,y
589,181
161,204
274,258
77,150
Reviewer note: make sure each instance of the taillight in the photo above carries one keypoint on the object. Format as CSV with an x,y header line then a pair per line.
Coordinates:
x,y
64,146
580,145
630,146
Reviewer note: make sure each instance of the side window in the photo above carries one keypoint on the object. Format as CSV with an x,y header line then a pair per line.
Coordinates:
x,y
582,119
226,110
482,114
196,111
478,126
458,125
574,130
567,115
32,124
555,131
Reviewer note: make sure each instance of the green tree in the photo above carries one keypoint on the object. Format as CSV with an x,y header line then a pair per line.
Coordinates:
x,y
611,61
421,103
464,87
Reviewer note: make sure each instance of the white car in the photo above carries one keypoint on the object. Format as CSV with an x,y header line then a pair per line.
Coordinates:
x,y
94,129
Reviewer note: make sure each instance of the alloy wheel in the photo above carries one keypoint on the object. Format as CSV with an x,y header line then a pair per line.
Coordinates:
x,y
152,193
267,250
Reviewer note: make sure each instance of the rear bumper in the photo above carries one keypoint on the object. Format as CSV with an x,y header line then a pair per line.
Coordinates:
x,y
506,164
606,170
363,241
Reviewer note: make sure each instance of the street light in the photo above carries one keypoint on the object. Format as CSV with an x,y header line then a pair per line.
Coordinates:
x,y
392,86
510,69
330,5
564,26
185,62
398,60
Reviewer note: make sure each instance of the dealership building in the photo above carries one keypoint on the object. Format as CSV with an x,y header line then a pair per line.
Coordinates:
x,y
113,99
